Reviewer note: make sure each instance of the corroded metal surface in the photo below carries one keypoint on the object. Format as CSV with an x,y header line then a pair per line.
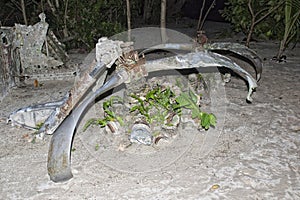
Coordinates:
x,y
202,59
63,120
30,40
31,52
9,61
90,72
59,156
241,50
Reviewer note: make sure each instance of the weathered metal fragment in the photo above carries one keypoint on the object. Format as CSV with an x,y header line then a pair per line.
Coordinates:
x,y
30,40
32,116
30,52
65,118
223,48
239,50
9,61
90,72
202,59
59,156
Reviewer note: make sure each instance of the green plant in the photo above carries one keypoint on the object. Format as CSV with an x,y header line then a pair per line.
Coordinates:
x,y
109,114
255,17
189,100
259,15
156,106
90,20
37,127
292,24
77,23
161,100
158,99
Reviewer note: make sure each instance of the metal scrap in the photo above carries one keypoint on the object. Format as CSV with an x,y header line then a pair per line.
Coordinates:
x,y
63,123
30,52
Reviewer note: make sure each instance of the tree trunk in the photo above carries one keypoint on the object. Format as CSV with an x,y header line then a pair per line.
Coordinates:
x,y
24,12
249,36
65,29
163,21
147,10
128,19
175,7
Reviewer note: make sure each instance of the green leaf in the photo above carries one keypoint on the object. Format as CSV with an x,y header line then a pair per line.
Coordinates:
x,y
212,120
108,113
193,97
89,123
187,100
120,120
134,108
207,120
150,95
102,122
195,113
97,147
182,100
106,105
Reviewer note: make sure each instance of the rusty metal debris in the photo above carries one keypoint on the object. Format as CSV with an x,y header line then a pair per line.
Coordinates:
x,y
29,52
30,40
62,122
89,73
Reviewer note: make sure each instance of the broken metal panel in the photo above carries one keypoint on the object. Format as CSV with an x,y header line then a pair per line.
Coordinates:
x,y
4,59
30,41
9,61
53,47
32,116
21,55
91,74
243,53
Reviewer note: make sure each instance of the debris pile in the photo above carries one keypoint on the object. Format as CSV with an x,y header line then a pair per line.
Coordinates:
x,y
29,52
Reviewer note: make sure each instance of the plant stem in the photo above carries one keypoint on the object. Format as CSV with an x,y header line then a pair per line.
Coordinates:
x,y
254,22
210,7
200,16
290,22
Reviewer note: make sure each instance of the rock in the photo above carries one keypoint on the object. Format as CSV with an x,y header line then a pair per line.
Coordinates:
x,y
141,134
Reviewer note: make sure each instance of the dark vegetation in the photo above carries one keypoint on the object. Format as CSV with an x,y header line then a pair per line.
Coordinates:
x,y
80,23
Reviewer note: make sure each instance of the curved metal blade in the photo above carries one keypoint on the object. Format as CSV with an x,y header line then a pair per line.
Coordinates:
x,y
224,48
169,47
240,51
201,59
59,156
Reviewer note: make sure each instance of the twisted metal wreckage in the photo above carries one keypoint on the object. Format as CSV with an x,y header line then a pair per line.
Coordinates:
x,y
29,51
62,117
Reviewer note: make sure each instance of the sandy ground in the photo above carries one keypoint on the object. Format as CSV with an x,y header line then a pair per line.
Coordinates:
x,y
254,155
